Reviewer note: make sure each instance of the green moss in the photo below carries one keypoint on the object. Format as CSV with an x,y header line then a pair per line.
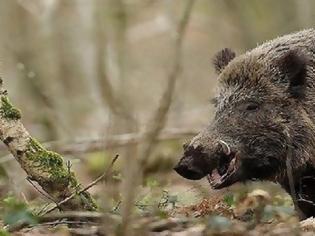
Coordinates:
x,y
53,175
50,163
8,111
46,158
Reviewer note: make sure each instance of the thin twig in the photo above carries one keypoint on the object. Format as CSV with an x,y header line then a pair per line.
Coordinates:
x,y
42,209
104,176
40,191
87,215
58,218
68,222
117,206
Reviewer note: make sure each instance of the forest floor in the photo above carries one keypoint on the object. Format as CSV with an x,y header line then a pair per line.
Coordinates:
x,y
164,204
183,208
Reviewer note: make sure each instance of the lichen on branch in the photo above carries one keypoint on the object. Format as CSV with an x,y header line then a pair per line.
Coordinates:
x,y
45,167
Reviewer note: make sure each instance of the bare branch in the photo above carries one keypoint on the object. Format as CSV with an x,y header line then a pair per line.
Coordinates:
x,y
115,141
86,145
87,215
106,89
102,177
57,218
154,127
159,118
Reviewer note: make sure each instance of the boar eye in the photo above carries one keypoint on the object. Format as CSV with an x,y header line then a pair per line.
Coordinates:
x,y
252,107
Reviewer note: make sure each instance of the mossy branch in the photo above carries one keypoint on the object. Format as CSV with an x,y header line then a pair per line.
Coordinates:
x,y
45,167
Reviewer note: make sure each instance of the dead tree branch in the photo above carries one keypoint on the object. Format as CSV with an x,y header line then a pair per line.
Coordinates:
x,y
159,118
87,215
86,145
61,217
115,141
42,166
107,91
155,125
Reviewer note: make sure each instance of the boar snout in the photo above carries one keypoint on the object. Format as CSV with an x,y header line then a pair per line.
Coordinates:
x,y
185,169
192,164
198,161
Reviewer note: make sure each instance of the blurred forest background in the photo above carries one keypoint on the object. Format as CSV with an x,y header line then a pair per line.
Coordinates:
x,y
86,74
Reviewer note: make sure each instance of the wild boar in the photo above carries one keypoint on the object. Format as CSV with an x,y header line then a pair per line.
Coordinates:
x,y
264,122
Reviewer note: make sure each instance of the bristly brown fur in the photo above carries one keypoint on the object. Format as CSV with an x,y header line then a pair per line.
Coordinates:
x,y
222,59
293,64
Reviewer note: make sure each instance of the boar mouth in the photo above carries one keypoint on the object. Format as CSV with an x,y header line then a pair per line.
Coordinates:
x,y
227,172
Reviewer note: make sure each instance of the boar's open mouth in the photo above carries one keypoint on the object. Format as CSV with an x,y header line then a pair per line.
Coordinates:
x,y
226,173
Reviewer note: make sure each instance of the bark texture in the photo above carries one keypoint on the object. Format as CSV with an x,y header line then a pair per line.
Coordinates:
x,y
45,167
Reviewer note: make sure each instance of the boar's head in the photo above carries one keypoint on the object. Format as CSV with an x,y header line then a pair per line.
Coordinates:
x,y
257,112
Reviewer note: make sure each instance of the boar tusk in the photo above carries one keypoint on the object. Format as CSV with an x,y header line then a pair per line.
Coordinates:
x,y
226,147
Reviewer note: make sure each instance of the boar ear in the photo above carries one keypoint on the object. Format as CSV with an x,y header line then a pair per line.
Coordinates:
x,y
222,59
293,66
